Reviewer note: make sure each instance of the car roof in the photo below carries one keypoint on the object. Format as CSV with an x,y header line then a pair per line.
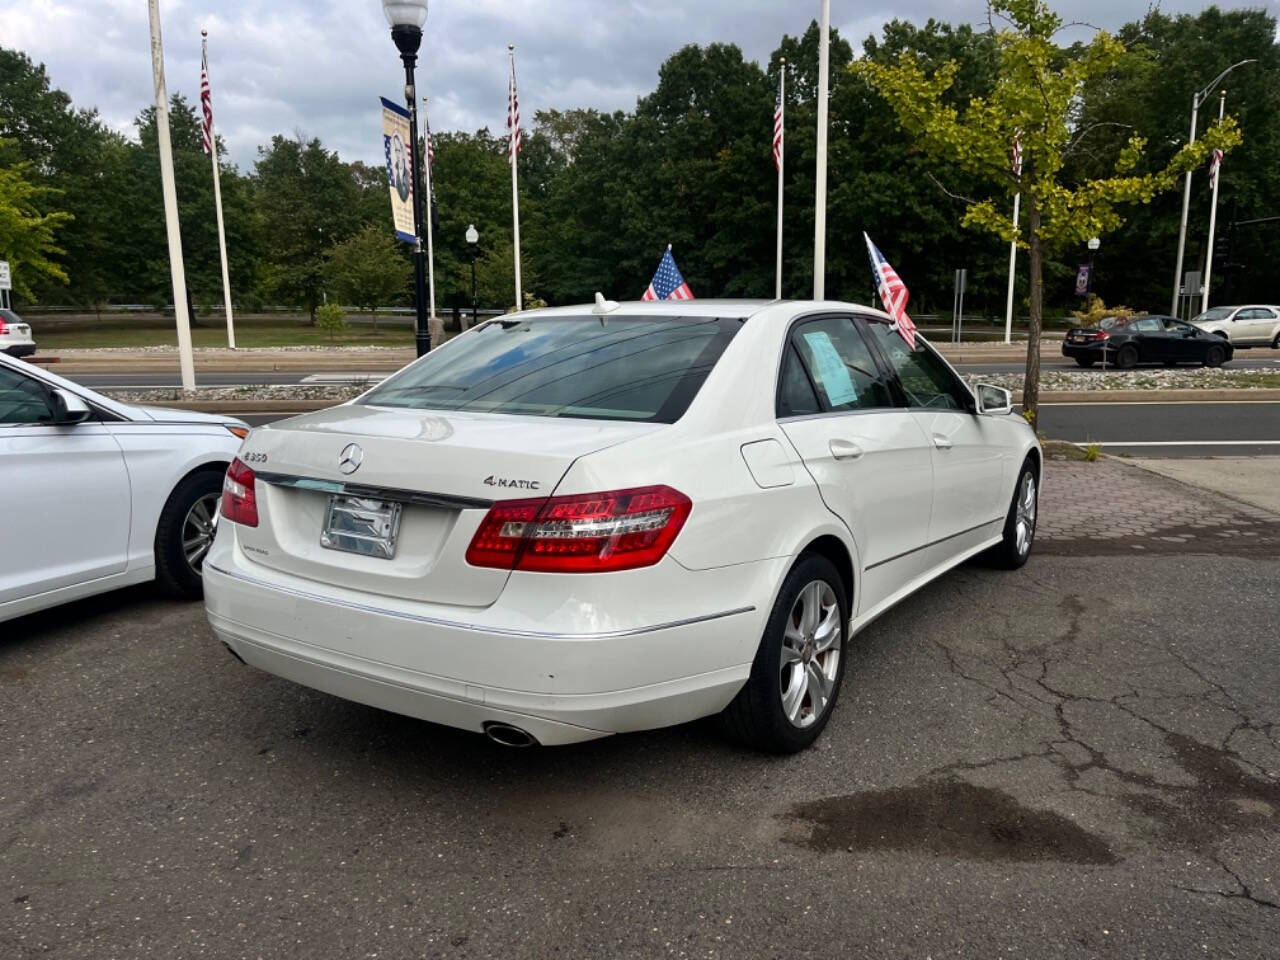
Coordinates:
x,y
728,308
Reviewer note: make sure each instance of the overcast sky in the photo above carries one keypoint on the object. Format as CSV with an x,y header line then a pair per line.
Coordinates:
x,y
318,66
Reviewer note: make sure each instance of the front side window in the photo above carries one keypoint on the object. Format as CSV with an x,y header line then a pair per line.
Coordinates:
x,y
925,378
645,369
840,365
23,400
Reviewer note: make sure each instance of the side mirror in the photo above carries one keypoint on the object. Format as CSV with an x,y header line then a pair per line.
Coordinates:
x,y
994,400
68,408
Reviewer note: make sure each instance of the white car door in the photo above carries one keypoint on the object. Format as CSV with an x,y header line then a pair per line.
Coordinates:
x,y
1254,326
969,450
64,495
865,451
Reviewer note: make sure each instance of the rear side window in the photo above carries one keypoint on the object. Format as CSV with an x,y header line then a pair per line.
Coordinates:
x,y
795,393
645,369
840,365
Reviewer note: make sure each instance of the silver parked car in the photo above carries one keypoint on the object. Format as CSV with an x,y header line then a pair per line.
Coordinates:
x,y
1254,325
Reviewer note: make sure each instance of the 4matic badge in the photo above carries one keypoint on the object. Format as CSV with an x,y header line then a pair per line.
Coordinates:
x,y
492,481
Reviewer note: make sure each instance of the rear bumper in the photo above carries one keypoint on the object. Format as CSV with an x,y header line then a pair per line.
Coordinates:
x,y
1087,351
559,687
19,349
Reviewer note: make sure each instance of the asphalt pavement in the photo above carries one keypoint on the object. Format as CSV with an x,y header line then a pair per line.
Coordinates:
x,y
1034,764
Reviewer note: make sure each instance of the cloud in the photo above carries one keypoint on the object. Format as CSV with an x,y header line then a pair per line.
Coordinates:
x,y
318,66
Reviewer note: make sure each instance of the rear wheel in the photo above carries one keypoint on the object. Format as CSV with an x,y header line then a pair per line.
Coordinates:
x,y
1085,362
795,678
1020,522
1127,358
1214,356
1275,344
185,533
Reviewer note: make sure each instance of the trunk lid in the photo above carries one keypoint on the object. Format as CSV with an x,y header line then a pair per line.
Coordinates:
x,y
443,469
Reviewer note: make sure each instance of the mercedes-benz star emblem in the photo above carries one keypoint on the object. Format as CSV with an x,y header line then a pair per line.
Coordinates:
x,y
350,458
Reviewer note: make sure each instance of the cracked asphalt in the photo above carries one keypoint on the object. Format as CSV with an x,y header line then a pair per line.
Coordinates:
x,y
1079,759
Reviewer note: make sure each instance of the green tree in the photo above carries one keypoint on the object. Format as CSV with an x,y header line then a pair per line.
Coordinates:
x,y
369,269
307,201
27,234
1036,98
331,318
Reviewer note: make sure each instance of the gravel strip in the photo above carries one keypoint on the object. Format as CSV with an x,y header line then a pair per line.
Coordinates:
x,y
1199,378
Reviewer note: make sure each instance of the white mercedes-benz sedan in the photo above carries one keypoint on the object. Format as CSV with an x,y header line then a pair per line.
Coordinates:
x,y
96,494
573,522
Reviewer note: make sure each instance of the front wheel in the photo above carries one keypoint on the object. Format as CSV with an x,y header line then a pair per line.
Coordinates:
x,y
185,533
1020,522
1214,356
795,678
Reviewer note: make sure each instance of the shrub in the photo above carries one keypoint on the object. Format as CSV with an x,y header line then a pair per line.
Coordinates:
x,y
331,318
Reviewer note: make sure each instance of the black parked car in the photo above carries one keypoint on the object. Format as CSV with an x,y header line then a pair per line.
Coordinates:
x,y
1126,342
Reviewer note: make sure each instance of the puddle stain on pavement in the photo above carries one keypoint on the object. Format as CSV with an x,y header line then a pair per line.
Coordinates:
x,y
947,817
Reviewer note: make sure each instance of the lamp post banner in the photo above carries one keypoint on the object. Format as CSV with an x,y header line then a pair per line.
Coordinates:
x,y
1083,275
396,147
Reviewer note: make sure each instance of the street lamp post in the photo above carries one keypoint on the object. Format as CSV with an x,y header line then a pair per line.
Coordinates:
x,y
407,18
473,239
1094,244
1196,101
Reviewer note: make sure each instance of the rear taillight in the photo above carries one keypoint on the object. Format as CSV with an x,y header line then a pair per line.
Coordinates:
x,y
1102,335
239,498
3,329
583,533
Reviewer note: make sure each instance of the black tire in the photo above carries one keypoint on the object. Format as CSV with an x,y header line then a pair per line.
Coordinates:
x,y
1127,358
175,575
1010,553
756,717
1085,362
1215,355
1275,344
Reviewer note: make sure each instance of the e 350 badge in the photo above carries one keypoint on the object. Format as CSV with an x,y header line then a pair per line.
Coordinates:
x,y
492,481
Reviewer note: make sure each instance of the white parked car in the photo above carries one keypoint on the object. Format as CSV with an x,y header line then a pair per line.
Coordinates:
x,y
15,335
580,521
96,494
1249,326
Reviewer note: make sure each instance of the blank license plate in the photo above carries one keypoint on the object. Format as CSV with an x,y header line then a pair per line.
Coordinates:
x,y
360,525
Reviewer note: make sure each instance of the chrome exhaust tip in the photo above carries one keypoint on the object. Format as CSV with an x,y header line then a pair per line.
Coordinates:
x,y
508,735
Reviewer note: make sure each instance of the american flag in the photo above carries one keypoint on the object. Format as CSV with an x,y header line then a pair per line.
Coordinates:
x,y
1214,166
667,283
777,130
893,293
513,116
431,147
1015,155
206,102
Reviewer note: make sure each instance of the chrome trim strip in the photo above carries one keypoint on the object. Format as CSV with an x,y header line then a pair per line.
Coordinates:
x,y
453,624
374,493
934,543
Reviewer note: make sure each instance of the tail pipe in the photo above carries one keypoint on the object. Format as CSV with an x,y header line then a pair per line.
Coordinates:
x,y
509,736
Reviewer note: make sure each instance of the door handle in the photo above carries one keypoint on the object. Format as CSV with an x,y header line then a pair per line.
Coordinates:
x,y
845,450
941,442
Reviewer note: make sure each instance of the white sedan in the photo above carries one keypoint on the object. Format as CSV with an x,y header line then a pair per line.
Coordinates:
x,y
1255,325
96,494
581,521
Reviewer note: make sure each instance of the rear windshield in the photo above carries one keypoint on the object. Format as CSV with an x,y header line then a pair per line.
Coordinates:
x,y
1217,313
645,369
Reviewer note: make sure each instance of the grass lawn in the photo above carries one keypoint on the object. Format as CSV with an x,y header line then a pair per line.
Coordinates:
x,y
53,335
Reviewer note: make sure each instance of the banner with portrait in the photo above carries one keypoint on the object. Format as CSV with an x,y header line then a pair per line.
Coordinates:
x,y
399,157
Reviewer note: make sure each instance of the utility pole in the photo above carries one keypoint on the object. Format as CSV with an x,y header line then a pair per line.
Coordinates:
x,y
186,361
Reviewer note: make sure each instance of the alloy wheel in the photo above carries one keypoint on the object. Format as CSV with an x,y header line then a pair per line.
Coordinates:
x,y
810,661
198,529
1024,521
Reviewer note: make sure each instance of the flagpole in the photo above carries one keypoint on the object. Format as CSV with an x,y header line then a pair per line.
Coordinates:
x,y
186,361
782,145
820,198
513,135
1213,215
1013,265
432,323
217,199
